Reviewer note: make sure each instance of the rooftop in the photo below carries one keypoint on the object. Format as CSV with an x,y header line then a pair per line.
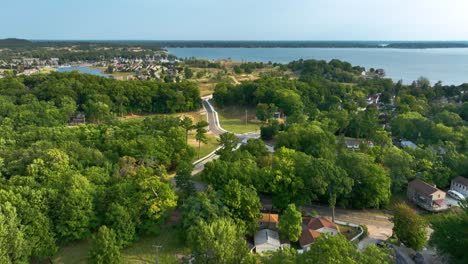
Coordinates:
x,y
461,180
422,187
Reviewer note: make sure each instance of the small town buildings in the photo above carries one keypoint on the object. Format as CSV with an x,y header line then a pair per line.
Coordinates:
x,y
266,240
460,184
313,228
426,196
268,221
352,144
78,120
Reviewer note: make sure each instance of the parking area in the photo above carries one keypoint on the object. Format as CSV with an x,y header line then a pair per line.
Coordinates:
x,y
450,201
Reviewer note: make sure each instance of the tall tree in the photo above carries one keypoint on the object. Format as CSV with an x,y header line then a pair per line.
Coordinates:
x,y
104,247
217,242
243,203
184,178
229,142
290,223
451,234
200,136
409,227
187,124
13,246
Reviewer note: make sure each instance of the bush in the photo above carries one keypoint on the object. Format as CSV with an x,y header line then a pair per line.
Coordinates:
x,y
365,232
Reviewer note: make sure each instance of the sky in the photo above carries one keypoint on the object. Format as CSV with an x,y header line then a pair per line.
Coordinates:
x,y
235,19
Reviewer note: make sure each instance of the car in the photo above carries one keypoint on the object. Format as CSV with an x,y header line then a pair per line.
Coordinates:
x,y
456,195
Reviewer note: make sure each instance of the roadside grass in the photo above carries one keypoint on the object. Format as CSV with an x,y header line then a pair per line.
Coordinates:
x,y
75,253
143,251
348,231
205,149
233,119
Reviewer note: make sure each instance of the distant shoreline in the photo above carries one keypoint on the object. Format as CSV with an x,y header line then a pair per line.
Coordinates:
x,y
381,44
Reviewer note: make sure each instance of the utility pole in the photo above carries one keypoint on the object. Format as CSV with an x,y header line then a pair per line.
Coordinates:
x,y
246,117
157,252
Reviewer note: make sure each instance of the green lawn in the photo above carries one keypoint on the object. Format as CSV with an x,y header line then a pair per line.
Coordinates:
x,y
205,149
142,251
348,231
233,119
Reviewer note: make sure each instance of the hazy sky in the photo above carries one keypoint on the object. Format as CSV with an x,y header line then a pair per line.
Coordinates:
x,y
235,19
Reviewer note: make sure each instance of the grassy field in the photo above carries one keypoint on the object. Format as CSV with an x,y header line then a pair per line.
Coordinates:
x,y
348,231
46,70
233,119
143,251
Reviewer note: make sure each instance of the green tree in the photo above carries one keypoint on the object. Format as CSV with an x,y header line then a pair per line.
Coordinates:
x,y
217,242
371,186
200,136
104,247
184,178
409,227
450,233
187,124
229,142
188,73
73,211
13,246
119,219
400,164
290,223
243,203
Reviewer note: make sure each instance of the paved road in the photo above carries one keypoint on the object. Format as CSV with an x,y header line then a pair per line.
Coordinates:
x,y
213,122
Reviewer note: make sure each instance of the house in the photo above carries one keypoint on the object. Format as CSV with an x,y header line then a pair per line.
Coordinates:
x,y
313,228
460,184
78,120
323,225
409,144
308,237
266,240
268,221
426,196
352,143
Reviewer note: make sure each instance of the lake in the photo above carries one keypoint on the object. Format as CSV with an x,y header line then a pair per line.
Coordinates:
x,y
449,65
82,69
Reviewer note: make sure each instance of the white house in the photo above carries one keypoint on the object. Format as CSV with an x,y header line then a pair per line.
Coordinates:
x,y
460,184
266,240
409,144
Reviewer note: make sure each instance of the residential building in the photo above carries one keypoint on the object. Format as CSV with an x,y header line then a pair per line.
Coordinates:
x,y
460,184
268,221
409,144
426,196
313,228
266,240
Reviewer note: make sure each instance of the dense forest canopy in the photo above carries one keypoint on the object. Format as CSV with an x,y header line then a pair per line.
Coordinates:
x,y
53,99
61,183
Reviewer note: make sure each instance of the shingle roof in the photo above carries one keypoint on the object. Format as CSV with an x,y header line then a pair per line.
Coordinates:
x,y
320,222
422,187
461,180
267,236
308,236
269,218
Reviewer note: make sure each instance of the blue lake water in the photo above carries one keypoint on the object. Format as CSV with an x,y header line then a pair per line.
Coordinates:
x,y
82,69
448,65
